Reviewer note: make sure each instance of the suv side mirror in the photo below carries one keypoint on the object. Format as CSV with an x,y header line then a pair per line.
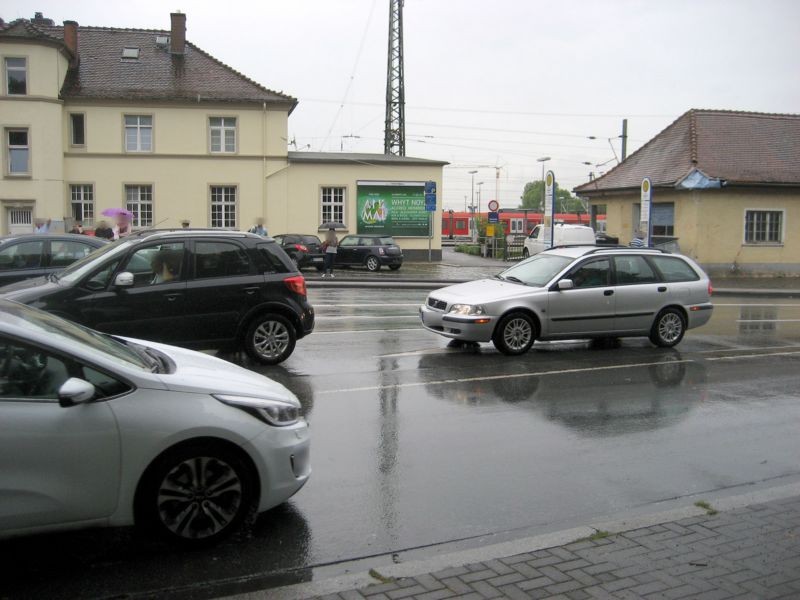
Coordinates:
x,y
124,279
75,391
565,284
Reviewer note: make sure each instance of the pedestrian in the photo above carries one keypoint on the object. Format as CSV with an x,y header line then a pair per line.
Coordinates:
x,y
77,228
638,240
103,231
42,226
329,247
122,228
259,228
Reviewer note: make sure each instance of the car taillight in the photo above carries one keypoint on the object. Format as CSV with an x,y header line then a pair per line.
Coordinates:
x,y
297,284
710,288
300,247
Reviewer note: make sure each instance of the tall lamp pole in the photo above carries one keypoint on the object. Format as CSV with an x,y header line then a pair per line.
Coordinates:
x,y
478,210
543,160
472,205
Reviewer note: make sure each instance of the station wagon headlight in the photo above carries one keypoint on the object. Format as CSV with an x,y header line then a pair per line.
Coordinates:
x,y
467,309
274,412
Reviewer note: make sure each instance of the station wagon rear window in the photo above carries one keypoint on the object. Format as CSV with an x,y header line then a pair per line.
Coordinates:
x,y
674,269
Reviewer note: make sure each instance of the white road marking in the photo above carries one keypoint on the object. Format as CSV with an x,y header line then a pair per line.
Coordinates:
x,y
499,377
340,331
362,317
742,356
797,305
365,304
768,320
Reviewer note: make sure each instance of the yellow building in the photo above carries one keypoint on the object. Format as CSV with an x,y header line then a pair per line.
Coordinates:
x,y
96,118
726,185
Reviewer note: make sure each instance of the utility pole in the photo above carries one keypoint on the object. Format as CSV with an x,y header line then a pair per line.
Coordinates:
x,y
394,136
624,137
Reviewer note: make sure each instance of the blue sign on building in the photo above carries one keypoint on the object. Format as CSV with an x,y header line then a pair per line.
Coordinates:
x,y
430,196
494,217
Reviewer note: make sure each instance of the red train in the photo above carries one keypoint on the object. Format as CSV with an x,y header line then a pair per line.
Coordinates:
x,y
513,222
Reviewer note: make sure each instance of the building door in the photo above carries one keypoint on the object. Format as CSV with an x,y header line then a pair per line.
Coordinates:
x,y
20,220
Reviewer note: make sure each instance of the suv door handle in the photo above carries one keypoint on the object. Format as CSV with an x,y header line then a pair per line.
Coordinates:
x,y
171,296
663,288
251,290
608,292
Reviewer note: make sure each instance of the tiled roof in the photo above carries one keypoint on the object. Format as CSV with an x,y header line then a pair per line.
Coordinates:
x,y
361,158
733,146
156,75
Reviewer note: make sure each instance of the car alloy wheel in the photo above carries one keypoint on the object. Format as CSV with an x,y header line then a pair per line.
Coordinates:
x,y
668,328
199,497
514,334
270,339
373,264
196,494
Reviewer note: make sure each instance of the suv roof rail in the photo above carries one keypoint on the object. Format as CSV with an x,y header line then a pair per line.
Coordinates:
x,y
148,232
595,249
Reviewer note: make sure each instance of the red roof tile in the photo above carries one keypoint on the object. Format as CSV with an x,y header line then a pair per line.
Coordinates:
x,y
733,146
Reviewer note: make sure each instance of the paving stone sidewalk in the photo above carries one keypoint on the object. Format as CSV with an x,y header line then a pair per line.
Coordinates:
x,y
751,552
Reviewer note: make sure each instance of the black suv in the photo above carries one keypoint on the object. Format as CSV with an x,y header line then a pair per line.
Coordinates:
x,y
34,255
305,250
192,288
371,251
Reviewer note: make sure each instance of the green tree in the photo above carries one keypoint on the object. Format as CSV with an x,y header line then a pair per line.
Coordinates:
x,y
533,196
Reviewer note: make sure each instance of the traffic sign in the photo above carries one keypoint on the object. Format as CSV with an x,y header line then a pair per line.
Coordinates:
x,y
493,205
430,202
430,187
494,217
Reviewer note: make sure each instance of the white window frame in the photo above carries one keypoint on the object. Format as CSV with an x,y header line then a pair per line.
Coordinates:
x,y
516,225
224,202
72,130
138,127
85,198
24,69
223,128
8,149
781,211
143,190
332,203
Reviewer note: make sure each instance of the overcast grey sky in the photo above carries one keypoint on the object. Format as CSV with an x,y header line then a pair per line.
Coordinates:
x,y
490,83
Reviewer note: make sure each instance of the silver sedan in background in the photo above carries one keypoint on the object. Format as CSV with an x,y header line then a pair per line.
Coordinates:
x,y
576,292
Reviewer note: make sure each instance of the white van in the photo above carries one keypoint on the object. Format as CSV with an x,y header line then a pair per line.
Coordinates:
x,y
564,235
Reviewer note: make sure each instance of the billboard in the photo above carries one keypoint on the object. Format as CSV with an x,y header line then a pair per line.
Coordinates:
x,y
395,208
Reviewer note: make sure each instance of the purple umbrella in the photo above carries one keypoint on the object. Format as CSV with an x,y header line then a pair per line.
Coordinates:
x,y
118,212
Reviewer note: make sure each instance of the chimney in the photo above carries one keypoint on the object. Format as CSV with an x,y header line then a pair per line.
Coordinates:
x,y
71,41
177,38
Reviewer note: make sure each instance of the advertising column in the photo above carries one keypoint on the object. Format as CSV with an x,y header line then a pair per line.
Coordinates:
x,y
644,218
549,203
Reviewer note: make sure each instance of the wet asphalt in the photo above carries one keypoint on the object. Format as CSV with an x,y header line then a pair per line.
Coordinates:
x,y
418,447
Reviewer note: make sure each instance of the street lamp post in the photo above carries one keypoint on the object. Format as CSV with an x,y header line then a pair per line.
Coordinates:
x,y
472,207
543,160
479,184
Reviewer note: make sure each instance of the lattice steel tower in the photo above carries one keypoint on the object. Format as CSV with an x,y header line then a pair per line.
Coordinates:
x,y
394,137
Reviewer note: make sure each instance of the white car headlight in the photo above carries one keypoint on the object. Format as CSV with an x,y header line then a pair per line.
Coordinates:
x,y
275,412
467,309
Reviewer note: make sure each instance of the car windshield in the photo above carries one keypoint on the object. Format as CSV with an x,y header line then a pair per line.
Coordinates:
x,y
311,239
536,271
123,353
82,267
386,241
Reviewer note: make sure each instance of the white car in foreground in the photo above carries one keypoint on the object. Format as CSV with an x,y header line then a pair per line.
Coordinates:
x,y
103,431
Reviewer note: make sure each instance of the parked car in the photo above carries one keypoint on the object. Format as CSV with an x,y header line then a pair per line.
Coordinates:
x,y
370,251
604,239
97,430
576,292
305,250
192,288
563,235
34,255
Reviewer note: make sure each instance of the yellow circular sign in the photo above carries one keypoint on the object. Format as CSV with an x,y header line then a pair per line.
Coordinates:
x,y
645,186
549,179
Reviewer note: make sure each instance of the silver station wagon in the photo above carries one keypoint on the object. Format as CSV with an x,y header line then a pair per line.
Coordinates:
x,y
576,292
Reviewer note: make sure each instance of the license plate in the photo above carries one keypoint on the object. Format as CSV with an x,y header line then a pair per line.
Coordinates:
x,y
317,259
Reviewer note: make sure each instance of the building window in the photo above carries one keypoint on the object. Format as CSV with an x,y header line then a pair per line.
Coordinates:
x,y
662,216
16,76
223,206
223,134
139,200
77,131
332,204
763,227
82,203
18,152
138,133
